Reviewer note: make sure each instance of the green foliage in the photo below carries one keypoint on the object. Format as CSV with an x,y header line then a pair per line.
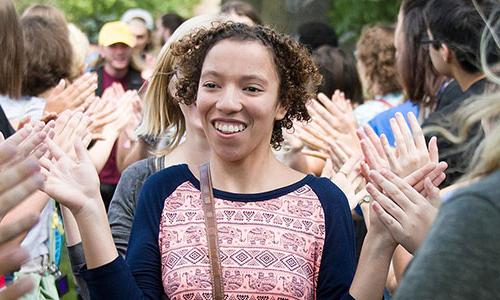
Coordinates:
x,y
89,15
349,16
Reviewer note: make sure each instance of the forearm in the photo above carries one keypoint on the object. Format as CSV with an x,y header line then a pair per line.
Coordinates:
x,y
34,204
372,270
97,241
126,157
70,227
100,152
400,261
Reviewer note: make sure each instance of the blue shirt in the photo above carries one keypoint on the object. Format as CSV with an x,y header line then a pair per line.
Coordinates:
x,y
381,122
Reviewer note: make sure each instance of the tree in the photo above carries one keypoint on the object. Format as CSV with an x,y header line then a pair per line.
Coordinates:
x,y
349,17
89,15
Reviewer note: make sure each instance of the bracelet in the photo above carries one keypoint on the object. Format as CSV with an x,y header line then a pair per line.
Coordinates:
x,y
366,199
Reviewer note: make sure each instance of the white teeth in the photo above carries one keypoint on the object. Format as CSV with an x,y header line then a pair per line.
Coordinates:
x,y
229,128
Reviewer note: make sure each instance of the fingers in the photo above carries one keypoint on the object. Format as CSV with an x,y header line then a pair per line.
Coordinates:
x,y
394,187
392,224
375,140
418,135
407,134
327,169
18,137
10,231
19,288
314,153
369,154
398,138
419,175
82,154
310,140
350,166
17,173
387,204
57,153
11,259
31,143
433,150
435,175
19,192
432,193
7,151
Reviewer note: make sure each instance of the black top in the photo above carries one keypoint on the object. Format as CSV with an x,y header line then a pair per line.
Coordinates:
x,y
457,156
5,126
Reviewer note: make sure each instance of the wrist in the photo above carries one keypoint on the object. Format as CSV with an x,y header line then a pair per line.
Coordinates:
x,y
381,243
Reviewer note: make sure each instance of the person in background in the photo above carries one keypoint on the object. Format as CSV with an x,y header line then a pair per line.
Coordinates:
x,y
81,47
453,38
141,25
166,25
376,62
239,11
316,34
12,61
186,144
339,72
420,81
48,57
116,43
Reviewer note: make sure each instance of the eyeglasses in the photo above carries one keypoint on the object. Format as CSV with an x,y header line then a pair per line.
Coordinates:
x,y
428,41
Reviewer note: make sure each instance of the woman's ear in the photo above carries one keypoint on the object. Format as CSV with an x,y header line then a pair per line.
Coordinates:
x,y
281,113
446,53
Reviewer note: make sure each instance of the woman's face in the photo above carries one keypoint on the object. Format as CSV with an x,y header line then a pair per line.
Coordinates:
x,y
238,98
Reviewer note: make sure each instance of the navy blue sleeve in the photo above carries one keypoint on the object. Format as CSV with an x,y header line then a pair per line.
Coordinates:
x,y
139,277
338,263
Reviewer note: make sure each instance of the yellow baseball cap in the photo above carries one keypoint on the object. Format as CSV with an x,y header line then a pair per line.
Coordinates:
x,y
116,32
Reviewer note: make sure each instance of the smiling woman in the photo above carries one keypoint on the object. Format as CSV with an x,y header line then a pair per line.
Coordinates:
x,y
281,232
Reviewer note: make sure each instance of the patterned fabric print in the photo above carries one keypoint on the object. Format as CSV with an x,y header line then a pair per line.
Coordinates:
x,y
269,249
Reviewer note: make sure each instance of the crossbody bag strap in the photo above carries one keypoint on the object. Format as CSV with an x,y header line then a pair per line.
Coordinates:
x,y
207,198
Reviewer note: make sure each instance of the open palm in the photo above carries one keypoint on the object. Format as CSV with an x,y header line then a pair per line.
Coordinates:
x,y
73,183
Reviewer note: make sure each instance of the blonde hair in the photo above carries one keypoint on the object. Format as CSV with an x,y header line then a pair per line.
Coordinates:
x,y
80,44
161,111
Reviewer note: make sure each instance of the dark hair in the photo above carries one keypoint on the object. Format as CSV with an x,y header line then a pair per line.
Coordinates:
x,y
171,21
12,60
459,25
419,78
376,51
339,72
316,34
299,77
241,9
48,54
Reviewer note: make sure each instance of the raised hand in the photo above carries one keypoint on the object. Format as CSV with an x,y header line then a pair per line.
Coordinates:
x,y
19,178
77,95
332,120
404,211
411,150
348,178
70,126
13,256
72,182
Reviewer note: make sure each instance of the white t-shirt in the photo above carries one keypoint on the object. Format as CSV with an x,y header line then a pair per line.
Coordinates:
x,y
16,109
368,110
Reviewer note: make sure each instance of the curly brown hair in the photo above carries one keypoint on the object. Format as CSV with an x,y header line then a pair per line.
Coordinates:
x,y
376,50
298,75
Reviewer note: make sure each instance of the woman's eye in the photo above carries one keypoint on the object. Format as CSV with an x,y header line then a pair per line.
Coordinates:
x,y
210,85
252,89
